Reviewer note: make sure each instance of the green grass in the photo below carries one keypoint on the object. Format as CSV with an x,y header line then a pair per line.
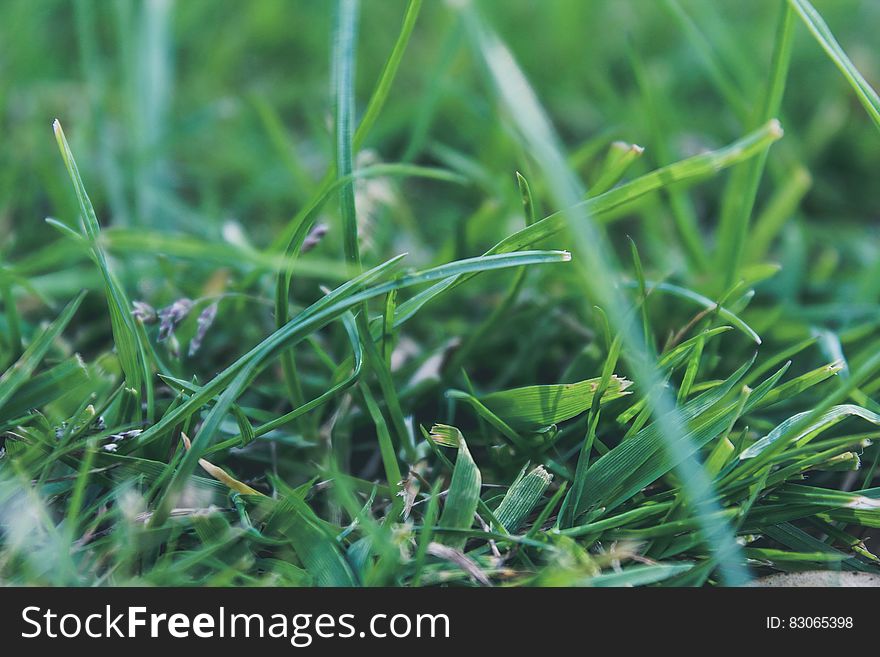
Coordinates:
x,y
582,293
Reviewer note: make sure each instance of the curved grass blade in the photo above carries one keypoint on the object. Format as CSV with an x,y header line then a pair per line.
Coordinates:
x,y
235,378
389,72
125,339
828,419
464,488
335,304
692,168
533,408
323,398
819,29
705,302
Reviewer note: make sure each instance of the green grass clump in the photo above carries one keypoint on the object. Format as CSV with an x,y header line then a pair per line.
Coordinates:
x,y
579,294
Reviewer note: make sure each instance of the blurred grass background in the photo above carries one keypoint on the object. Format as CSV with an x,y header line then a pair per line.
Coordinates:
x,y
188,116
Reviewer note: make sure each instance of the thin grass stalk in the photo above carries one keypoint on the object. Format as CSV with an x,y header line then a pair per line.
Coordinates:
x,y
598,277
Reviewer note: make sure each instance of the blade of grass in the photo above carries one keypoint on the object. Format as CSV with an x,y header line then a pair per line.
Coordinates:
x,y
125,339
692,168
464,488
233,380
344,63
819,29
742,189
597,273
521,498
683,213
